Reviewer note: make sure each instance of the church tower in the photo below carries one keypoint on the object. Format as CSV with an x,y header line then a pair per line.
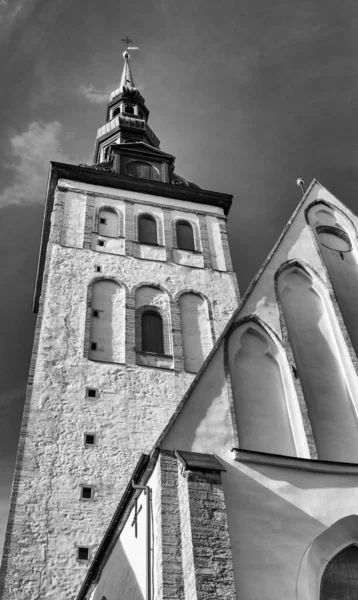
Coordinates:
x,y
134,286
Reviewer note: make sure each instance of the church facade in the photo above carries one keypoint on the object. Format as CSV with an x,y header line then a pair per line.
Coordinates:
x,y
179,443
134,287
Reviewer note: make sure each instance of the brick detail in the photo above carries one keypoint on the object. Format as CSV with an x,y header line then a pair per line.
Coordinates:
x,y
168,234
206,549
57,217
170,584
129,228
130,329
177,336
225,243
87,238
205,242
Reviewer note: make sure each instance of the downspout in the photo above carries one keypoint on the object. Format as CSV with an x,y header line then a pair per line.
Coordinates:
x,y
148,493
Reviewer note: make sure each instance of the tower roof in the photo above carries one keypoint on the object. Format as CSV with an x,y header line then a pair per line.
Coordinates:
x,y
127,84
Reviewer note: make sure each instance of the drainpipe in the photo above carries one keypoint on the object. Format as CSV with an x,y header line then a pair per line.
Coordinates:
x,y
148,492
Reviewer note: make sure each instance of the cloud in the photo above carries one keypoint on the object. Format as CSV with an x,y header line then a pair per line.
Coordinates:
x,y
31,152
93,95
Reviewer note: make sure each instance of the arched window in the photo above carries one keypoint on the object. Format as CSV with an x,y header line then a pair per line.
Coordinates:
x,y
147,230
129,109
107,223
143,170
185,236
116,112
152,332
340,578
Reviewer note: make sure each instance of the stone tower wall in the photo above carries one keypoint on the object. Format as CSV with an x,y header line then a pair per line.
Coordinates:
x,y
48,519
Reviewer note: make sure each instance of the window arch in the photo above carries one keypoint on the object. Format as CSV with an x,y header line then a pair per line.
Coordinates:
x,y
152,332
116,112
108,222
107,322
320,362
196,330
263,394
129,109
147,230
185,235
340,578
143,170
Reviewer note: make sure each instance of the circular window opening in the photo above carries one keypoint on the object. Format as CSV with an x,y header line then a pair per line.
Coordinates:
x,y
334,238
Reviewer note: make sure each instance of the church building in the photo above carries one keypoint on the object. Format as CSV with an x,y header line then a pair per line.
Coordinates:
x,y
179,443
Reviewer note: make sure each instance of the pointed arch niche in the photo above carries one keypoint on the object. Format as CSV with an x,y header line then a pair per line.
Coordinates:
x,y
329,567
336,238
196,330
322,362
265,401
107,322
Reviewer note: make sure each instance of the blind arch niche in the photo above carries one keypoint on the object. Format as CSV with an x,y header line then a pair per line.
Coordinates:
x,y
261,385
196,330
336,240
322,362
107,322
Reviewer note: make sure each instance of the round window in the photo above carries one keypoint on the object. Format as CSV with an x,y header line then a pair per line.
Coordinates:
x,y
334,238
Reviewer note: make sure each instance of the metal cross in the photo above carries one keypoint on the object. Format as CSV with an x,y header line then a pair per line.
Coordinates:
x,y
127,41
135,518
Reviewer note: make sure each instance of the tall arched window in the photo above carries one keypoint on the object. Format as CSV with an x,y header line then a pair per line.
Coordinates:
x,y
108,223
147,230
152,332
340,578
185,235
143,170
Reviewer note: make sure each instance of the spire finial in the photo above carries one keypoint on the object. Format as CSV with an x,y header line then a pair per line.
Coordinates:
x,y
301,184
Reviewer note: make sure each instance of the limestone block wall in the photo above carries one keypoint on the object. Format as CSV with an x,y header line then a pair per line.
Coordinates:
x,y
131,403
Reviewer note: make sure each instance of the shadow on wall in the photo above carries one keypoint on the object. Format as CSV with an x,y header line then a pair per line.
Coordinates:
x,y
269,535
320,367
118,579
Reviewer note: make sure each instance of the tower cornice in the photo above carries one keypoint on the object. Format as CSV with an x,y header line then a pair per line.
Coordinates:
x,y
112,180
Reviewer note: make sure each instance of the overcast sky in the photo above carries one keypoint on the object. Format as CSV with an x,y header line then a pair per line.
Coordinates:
x,y
247,94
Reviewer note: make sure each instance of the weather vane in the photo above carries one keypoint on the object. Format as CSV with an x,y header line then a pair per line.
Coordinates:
x,y
128,41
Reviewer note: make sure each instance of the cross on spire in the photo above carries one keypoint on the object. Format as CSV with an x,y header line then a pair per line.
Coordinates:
x,y
127,41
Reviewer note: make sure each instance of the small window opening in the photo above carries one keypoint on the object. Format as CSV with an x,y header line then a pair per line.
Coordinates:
x,y
103,220
129,109
116,112
86,492
82,553
100,243
93,345
147,230
89,439
95,313
91,393
98,269
185,236
152,332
